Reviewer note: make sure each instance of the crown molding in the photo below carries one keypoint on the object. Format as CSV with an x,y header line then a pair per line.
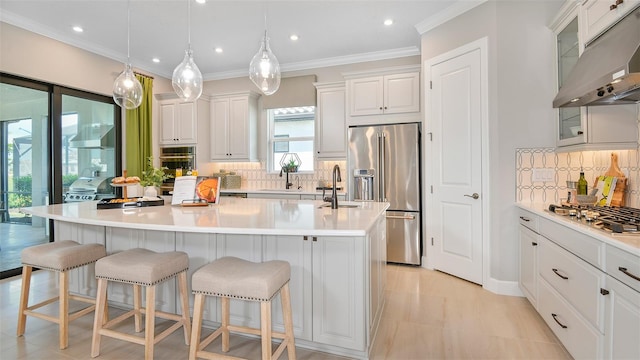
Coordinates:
x,y
457,9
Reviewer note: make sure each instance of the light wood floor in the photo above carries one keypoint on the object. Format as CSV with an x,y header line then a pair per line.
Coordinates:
x,y
428,315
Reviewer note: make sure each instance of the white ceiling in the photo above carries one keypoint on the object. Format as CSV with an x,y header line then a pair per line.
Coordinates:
x,y
330,32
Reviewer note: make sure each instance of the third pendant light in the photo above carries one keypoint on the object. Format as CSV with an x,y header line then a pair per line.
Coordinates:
x,y
264,69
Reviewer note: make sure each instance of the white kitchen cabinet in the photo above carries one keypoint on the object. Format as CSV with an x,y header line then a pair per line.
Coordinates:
x,y
331,127
596,16
389,95
234,127
528,276
178,122
622,326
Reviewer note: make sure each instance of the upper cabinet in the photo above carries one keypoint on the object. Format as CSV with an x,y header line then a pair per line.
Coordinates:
x,y
179,121
596,16
331,140
606,127
234,127
383,96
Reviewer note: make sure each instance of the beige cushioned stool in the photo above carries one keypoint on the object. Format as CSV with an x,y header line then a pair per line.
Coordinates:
x,y
141,267
230,277
59,256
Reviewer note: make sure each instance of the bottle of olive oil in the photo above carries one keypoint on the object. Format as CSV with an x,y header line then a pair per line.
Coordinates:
x,y
582,184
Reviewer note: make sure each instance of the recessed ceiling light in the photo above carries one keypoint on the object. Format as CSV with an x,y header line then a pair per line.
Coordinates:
x,y
155,60
201,1
78,29
219,50
293,37
388,22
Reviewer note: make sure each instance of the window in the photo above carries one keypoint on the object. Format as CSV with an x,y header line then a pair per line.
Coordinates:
x,y
291,131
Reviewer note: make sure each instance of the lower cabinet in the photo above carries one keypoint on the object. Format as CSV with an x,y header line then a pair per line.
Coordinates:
x,y
622,326
528,276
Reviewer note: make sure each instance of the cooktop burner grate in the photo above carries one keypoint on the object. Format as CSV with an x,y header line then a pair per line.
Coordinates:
x,y
619,219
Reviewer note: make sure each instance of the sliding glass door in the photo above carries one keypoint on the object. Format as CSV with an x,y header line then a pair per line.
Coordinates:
x,y
24,167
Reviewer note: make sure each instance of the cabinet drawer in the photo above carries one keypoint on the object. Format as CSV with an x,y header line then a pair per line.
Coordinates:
x,y
528,219
623,266
578,282
585,247
578,337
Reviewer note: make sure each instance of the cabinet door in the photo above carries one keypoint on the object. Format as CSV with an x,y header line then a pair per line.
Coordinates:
x,y
297,252
402,93
185,124
219,129
366,96
238,128
528,264
331,141
338,292
622,321
613,124
595,17
167,121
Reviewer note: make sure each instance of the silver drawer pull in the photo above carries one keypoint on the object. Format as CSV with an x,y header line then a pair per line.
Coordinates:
x,y
557,273
405,217
559,323
626,272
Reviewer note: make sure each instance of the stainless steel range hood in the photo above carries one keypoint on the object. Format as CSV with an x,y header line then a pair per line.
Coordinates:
x,y
608,71
94,137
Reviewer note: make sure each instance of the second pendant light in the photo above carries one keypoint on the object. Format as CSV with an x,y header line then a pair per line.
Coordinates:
x,y
187,78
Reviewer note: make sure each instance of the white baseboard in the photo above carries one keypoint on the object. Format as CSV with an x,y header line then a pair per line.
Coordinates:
x,y
502,287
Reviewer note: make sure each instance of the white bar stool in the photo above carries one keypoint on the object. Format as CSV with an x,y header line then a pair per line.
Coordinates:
x,y
230,277
59,256
141,267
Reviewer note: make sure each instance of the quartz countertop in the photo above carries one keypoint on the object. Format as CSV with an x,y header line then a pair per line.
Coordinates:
x,y
627,242
230,216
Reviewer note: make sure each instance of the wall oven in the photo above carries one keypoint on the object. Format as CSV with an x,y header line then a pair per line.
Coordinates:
x,y
173,158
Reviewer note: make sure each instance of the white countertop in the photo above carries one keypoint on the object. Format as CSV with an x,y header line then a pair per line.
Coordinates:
x,y
280,191
626,242
230,216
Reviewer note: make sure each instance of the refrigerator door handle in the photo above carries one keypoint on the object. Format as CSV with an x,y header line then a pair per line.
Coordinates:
x,y
405,217
382,166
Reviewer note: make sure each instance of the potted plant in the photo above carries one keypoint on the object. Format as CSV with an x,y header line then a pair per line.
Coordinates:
x,y
291,166
152,177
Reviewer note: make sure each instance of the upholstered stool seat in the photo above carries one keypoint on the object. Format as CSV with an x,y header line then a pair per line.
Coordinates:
x,y
230,277
59,256
141,267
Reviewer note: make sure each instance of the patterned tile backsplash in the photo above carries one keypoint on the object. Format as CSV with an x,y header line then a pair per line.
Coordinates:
x,y
566,166
255,176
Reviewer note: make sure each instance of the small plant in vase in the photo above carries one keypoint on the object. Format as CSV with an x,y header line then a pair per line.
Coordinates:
x,y
152,178
291,166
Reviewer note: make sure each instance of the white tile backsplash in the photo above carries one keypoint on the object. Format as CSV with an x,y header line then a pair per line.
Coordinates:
x,y
567,166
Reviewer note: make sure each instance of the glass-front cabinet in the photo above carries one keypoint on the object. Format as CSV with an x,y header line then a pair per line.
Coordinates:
x,y
571,121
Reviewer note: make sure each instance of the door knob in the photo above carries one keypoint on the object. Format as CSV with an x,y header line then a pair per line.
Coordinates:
x,y
475,196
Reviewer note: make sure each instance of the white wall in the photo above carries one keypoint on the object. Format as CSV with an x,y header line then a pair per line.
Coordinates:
x,y
521,88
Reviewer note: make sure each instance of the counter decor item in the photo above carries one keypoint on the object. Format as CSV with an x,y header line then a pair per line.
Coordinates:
x,y
582,184
152,178
615,195
130,202
290,162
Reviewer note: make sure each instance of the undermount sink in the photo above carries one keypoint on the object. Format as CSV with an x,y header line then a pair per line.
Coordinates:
x,y
340,206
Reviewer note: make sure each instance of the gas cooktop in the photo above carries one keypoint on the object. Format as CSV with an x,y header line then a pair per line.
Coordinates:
x,y
615,220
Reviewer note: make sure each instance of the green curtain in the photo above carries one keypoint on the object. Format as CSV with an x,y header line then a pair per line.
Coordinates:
x,y
138,125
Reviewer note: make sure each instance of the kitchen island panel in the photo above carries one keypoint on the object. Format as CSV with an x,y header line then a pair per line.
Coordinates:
x,y
120,239
81,280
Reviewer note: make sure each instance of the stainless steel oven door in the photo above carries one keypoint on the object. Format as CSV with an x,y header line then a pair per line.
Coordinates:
x,y
403,237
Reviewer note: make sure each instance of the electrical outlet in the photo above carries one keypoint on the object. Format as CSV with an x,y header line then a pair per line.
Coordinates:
x,y
543,175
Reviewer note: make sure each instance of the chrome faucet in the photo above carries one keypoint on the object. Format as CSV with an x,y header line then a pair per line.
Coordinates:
x,y
298,182
334,196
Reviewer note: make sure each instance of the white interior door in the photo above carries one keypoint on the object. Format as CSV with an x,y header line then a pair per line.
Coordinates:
x,y
455,117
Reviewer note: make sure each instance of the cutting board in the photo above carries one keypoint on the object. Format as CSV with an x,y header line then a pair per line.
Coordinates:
x,y
621,183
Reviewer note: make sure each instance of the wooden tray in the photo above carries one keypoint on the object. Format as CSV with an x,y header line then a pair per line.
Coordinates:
x,y
133,202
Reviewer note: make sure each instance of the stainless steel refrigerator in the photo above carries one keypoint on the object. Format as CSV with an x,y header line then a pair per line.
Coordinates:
x,y
384,165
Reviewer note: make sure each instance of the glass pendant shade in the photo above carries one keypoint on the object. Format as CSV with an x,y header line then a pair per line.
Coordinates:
x,y
264,69
187,78
127,90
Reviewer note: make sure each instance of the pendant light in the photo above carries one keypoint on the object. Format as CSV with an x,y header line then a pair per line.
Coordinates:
x,y
187,78
264,69
127,90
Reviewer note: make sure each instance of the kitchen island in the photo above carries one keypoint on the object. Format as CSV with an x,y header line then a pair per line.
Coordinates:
x,y
337,257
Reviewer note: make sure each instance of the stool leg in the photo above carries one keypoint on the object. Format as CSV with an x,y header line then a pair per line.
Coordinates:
x,y
285,297
150,322
184,299
63,310
225,323
98,320
196,330
265,329
24,299
137,300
